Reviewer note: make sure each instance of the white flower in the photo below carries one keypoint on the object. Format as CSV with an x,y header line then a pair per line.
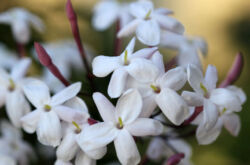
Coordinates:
x,y
12,144
8,59
45,119
20,21
120,124
11,93
188,48
127,63
149,22
107,12
215,101
5,159
161,91
68,149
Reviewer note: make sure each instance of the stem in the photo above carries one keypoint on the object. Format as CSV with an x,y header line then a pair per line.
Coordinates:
x,y
75,31
21,50
172,63
197,111
118,41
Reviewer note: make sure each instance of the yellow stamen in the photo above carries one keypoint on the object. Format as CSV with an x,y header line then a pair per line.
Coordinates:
x,y
47,107
204,89
12,85
78,129
155,88
126,57
120,122
148,14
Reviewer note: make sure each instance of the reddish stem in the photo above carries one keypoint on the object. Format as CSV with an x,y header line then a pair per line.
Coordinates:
x,y
21,50
118,41
75,31
197,111
175,159
46,61
92,121
235,71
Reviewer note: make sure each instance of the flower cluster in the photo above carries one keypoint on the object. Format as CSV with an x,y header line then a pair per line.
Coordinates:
x,y
150,94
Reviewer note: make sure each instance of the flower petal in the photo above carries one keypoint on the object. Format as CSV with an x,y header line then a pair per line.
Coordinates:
x,y
129,28
172,105
16,107
96,136
61,162
145,53
49,129
210,114
30,121
129,106
20,69
148,32
145,127
226,99
103,65
126,149
37,92
66,94
140,9
211,77
130,46
104,106
174,79
192,98
142,70
5,77
205,137
77,103
157,59
82,158
232,124
97,153
149,106
68,148
239,92
195,78
117,83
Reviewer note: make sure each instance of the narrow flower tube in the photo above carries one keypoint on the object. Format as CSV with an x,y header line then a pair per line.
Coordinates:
x,y
46,61
175,159
234,72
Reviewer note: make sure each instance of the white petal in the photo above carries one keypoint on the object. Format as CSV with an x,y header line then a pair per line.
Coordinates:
x,y
97,153
181,146
68,148
103,65
169,23
49,129
172,40
232,123
163,11
126,149
83,159
195,78
30,121
129,28
104,106
140,9
148,32
16,107
157,59
129,106
36,23
20,69
5,159
205,137
210,114
130,46
145,53
142,70
61,162
105,13
5,77
66,94
174,79
156,149
21,31
226,99
77,103
192,98
211,77
117,83
189,55
149,106
37,92
69,114
145,127
97,136
239,92
172,105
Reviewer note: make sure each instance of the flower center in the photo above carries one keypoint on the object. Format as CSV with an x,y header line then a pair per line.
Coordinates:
x,y
120,124
12,85
155,88
204,90
47,107
126,57
223,111
78,129
147,17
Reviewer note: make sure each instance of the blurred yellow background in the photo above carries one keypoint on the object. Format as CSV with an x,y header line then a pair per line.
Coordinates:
x,y
218,21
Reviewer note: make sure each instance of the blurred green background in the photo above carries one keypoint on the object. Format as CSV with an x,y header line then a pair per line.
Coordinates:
x,y
225,24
